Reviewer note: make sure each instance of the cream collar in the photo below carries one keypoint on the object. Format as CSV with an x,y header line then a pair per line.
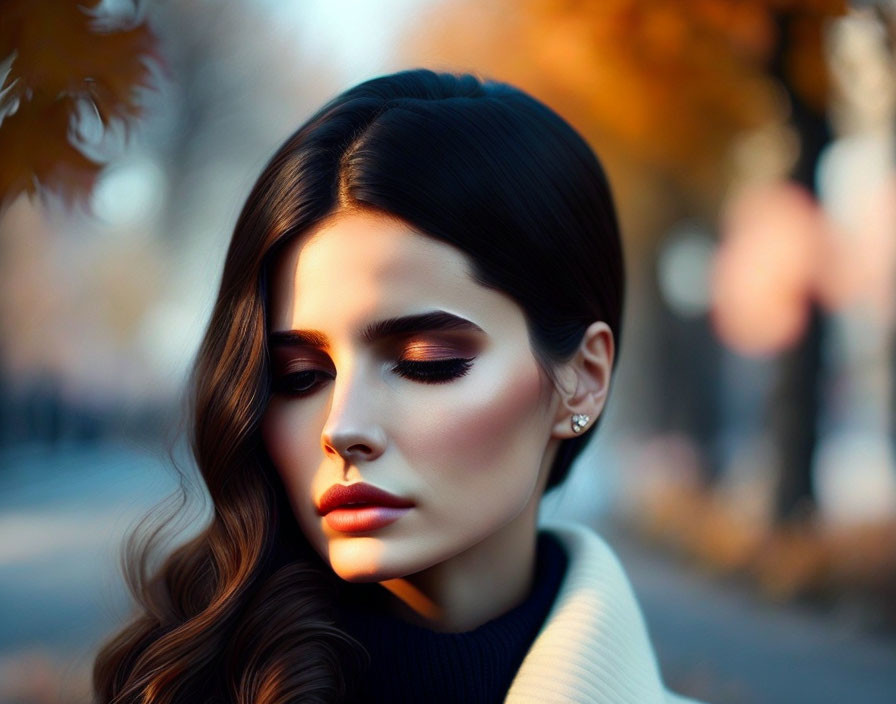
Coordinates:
x,y
593,647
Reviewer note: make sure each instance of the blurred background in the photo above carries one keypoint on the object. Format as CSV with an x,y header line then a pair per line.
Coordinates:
x,y
745,472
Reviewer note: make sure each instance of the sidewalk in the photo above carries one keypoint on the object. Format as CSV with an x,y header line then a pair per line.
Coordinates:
x,y
719,642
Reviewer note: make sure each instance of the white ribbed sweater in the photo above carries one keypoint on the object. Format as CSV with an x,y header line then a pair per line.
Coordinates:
x,y
593,647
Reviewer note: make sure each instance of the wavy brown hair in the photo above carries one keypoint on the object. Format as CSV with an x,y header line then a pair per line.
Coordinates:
x,y
244,612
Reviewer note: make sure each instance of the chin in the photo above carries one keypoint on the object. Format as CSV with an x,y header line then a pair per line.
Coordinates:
x,y
360,560
358,578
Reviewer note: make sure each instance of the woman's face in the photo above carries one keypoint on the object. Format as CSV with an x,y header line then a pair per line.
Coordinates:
x,y
445,412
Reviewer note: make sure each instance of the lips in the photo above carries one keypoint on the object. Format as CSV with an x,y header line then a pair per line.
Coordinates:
x,y
358,496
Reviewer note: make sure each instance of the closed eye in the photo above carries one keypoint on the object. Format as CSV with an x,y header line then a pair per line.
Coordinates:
x,y
433,372
300,383
305,382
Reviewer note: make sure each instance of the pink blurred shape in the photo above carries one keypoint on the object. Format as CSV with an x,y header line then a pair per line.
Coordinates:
x,y
766,267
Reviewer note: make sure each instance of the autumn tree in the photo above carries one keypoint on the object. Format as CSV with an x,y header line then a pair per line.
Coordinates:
x,y
70,71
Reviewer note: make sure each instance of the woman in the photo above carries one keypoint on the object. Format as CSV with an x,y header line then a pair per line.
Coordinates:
x,y
417,324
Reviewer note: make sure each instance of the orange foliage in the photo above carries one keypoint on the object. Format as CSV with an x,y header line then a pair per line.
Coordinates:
x,y
670,82
65,57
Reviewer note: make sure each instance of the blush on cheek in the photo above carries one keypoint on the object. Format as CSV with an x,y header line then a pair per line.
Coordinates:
x,y
494,424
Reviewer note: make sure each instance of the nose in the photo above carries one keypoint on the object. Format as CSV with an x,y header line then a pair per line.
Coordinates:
x,y
353,446
352,430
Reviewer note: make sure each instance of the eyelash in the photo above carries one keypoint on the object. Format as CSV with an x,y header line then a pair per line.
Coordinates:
x,y
435,372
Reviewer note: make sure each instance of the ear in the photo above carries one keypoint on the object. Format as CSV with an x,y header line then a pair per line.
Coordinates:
x,y
584,381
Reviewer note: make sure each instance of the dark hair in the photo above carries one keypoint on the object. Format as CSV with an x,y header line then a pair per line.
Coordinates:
x,y
479,165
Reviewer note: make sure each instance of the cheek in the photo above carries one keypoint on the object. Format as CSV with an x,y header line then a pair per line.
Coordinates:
x,y
281,435
293,448
489,431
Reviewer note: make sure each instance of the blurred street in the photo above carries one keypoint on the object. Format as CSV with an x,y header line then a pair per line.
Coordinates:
x,y
65,512
723,644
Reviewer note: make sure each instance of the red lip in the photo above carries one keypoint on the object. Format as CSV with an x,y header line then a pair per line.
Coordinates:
x,y
340,495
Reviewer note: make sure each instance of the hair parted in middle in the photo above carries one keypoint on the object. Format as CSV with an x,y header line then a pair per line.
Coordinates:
x,y
484,167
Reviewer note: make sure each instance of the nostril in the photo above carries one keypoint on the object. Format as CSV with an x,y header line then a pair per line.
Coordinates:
x,y
356,449
353,445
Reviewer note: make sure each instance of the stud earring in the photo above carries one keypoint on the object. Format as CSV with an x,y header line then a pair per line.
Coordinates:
x,y
579,421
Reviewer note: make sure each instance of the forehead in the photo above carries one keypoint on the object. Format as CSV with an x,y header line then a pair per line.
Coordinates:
x,y
358,265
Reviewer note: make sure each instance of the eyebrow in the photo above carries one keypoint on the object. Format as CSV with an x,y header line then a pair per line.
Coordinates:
x,y
422,322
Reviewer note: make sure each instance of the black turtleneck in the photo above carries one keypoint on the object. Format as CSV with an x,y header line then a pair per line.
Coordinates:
x,y
410,663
